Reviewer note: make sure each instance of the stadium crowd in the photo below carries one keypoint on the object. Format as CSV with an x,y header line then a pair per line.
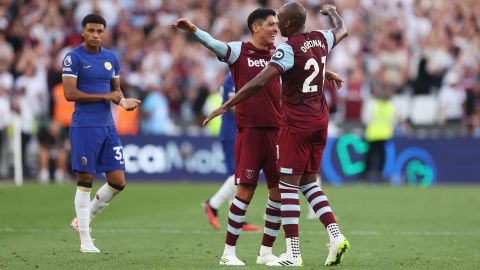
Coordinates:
x,y
423,55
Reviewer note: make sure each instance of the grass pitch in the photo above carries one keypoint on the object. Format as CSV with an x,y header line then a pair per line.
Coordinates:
x,y
161,226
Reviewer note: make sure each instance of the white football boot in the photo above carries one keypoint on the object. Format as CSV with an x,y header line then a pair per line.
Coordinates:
x,y
87,246
266,258
286,260
231,260
337,249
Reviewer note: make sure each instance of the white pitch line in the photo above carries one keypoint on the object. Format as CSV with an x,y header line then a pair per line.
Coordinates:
x,y
175,231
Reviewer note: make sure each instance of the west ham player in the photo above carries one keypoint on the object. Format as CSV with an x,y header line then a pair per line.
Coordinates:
x,y
258,125
91,80
301,62
228,132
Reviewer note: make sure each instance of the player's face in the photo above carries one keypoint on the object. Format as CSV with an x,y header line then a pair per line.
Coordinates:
x,y
268,29
93,34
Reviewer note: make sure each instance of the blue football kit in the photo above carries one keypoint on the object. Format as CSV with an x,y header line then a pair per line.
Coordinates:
x,y
96,146
228,128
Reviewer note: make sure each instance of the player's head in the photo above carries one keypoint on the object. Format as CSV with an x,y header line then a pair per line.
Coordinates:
x,y
263,23
93,29
291,18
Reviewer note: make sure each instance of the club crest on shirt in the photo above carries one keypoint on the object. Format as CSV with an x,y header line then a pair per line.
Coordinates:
x,y
68,61
108,65
249,173
83,161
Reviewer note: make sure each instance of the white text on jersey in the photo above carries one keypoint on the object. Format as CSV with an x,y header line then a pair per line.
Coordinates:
x,y
312,43
257,63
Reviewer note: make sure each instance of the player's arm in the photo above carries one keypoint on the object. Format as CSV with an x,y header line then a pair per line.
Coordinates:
x,y
220,48
334,79
73,94
339,29
247,91
128,104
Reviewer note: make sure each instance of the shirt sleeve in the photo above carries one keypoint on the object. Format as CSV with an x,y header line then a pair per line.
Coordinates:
x,y
116,66
283,58
70,65
234,49
328,34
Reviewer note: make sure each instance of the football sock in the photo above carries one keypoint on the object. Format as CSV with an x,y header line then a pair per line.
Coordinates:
x,y
273,221
82,209
290,208
319,203
104,195
293,246
226,192
236,219
333,231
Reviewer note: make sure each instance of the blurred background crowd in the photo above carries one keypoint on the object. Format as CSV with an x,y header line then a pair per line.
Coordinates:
x,y
421,55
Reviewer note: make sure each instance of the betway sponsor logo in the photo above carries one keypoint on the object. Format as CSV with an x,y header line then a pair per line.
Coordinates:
x,y
310,44
257,63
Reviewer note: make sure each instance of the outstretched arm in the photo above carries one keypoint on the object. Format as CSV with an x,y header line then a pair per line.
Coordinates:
x,y
339,29
247,91
216,46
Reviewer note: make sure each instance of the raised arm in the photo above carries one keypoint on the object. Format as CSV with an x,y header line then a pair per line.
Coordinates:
x,y
216,46
247,91
339,29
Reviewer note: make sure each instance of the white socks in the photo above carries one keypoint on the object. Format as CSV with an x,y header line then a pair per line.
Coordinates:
x,y
333,231
104,195
226,192
229,250
264,250
293,247
82,208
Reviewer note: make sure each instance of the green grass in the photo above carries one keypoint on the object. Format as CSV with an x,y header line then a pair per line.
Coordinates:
x,y
153,226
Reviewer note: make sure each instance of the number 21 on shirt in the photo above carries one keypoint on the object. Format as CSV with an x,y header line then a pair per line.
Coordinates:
x,y
307,88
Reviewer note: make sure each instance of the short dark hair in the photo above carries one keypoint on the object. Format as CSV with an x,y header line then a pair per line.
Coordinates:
x,y
259,14
94,18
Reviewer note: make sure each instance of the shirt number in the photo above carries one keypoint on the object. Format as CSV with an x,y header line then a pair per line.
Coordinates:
x,y
118,152
307,88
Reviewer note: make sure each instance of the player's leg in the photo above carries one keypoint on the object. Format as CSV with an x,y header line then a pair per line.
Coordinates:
x,y
247,167
273,217
85,144
44,164
82,209
111,162
338,245
115,184
236,220
292,161
311,214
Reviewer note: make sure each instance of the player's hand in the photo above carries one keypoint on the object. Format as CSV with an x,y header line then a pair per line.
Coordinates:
x,y
115,96
326,8
184,24
214,114
129,104
334,79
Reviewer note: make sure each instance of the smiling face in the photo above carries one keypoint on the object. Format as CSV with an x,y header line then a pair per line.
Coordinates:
x,y
267,29
93,34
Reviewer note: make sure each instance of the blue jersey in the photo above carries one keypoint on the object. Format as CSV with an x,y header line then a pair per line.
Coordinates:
x,y
94,72
228,129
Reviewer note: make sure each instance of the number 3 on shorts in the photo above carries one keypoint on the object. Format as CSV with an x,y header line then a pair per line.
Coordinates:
x,y
118,152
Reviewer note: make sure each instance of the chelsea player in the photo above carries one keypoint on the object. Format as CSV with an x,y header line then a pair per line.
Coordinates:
x,y
91,79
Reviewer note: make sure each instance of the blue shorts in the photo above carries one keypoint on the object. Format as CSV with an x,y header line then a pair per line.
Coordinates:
x,y
96,149
228,147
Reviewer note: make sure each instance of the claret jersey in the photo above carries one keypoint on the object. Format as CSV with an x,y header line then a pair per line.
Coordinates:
x,y
246,61
302,62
